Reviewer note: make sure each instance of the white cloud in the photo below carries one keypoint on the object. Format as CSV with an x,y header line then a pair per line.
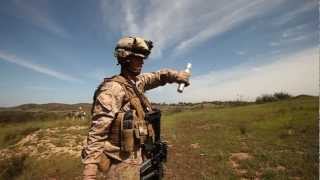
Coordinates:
x,y
274,44
182,24
296,30
37,68
301,32
130,24
230,17
37,13
300,38
296,74
241,53
292,39
99,73
275,52
291,15
40,88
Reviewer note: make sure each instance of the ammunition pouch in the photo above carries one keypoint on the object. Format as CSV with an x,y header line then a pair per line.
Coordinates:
x,y
127,132
133,131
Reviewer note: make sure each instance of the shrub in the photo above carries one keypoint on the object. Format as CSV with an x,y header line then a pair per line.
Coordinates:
x,y
12,167
272,97
265,98
282,95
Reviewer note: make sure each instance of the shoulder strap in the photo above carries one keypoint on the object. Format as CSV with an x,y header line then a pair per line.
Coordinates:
x,y
129,84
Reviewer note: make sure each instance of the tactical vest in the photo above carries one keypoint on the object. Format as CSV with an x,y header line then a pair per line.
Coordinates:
x,y
142,132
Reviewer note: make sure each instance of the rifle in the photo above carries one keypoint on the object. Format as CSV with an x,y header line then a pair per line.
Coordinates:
x,y
153,167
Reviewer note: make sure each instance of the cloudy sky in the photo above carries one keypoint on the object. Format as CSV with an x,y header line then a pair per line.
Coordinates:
x,y
59,51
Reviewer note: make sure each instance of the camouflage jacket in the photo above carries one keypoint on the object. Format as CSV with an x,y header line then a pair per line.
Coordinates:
x,y
108,101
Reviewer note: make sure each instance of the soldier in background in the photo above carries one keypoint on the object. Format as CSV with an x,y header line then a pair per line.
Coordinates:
x,y
81,114
77,115
119,106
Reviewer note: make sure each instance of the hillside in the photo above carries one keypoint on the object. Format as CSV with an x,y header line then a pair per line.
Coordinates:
x,y
275,140
47,107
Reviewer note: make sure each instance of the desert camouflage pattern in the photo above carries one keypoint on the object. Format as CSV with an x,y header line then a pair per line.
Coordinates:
x,y
124,171
136,46
108,102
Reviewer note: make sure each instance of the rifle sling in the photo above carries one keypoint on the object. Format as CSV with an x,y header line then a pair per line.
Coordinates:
x,y
140,96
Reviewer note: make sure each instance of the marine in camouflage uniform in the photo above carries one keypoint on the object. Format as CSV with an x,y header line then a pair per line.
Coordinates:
x,y
105,149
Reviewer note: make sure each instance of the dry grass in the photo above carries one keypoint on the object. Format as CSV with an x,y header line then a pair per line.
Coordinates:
x,y
267,141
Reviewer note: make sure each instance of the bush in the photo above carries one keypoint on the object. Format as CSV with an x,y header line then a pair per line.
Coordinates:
x,y
265,98
11,137
12,167
25,116
272,97
282,95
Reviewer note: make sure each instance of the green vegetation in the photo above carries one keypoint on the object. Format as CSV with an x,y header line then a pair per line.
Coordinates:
x,y
22,167
272,97
280,139
11,133
56,167
277,140
12,167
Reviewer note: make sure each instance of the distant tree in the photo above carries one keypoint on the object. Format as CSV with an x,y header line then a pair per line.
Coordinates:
x,y
265,98
282,95
272,97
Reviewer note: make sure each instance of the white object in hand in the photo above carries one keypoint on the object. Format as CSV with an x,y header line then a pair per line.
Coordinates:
x,y
181,85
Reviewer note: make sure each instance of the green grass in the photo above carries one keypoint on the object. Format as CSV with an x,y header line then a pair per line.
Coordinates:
x,y
24,167
282,133
56,167
11,133
281,137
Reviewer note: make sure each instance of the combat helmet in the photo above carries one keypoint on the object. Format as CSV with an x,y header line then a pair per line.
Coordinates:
x,y
132,46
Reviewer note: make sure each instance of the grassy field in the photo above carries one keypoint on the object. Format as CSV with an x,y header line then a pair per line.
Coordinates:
x,y
277,140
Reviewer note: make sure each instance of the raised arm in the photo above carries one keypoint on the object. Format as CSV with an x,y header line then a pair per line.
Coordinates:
x,y
155,79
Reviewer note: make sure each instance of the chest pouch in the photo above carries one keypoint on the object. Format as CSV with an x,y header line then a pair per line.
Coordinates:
x,y
141,128
127,131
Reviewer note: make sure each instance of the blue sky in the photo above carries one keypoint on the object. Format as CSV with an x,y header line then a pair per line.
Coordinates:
x,y
59,51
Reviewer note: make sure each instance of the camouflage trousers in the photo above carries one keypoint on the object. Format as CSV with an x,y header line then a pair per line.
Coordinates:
x,y
117,171
124,171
